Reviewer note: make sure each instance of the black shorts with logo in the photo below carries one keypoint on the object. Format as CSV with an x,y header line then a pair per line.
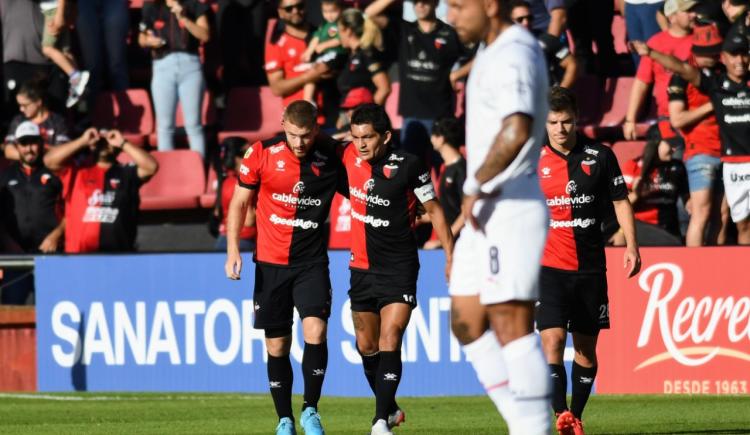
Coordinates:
x,y
370,292
577,302
278,290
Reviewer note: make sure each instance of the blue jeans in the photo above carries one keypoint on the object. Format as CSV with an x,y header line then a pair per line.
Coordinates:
x,y
102,32
178,75
703,171
640,23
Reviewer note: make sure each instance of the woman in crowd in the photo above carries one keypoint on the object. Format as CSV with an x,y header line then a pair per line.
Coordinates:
x,y
173,30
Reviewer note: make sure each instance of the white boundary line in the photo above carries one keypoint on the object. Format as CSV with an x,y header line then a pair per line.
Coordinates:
x,y
93,398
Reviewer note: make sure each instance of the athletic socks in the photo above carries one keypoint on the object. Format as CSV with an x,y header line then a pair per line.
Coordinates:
x,y
386,382
280,383
370,366
314,363
559,388
486,356
529,382
582,379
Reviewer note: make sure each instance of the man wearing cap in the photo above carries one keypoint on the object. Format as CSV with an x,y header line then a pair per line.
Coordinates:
x,y
730,95
31,197
692,113
674,41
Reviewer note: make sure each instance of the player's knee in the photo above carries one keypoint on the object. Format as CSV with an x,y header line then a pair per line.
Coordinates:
x,y
463,331
367,347
279,346
390,339
553,344
314,330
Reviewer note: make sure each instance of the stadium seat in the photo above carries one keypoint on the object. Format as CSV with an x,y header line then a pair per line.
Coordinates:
x,y
128,111
208,198
252,113
391,106
208,119
178,184
626,151
588,90
614,107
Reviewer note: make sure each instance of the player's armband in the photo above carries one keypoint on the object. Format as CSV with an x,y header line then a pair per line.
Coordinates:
x,y
425,193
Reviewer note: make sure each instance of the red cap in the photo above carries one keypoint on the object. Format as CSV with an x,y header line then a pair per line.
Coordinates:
x,y
357,96
706,40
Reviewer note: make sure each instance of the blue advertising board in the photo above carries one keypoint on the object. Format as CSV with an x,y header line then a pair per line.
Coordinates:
x,y
174,322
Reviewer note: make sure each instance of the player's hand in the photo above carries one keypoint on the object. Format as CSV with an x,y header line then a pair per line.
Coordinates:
x,y
640,47
632,261
467,208
50,243
115,139
233,266
628,130
90,137
176,9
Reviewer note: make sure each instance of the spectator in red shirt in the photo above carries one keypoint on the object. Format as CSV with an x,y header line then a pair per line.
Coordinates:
x,y
675,41
101,194
655,181
287,74
692,113
233,149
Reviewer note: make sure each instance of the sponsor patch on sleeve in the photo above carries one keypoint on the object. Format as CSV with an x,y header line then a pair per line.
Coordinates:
x,y
425,193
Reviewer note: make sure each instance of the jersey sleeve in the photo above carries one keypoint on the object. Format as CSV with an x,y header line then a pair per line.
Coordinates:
x,y
374,63
613,176
676,91
630,171
274,60
420,181
249,176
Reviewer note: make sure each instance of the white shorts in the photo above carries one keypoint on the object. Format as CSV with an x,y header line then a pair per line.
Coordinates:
x,y
737,189
503,263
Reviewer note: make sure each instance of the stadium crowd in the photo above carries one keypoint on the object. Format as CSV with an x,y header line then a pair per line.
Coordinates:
x,y
74,75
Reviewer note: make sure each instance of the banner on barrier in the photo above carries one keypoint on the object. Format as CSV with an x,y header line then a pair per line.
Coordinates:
x,y
682,326
175,323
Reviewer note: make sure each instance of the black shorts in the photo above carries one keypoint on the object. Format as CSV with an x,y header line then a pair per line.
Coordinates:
x,y
370,292
577,302
278,290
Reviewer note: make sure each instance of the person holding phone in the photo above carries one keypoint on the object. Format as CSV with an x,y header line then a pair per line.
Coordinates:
x,y
173,30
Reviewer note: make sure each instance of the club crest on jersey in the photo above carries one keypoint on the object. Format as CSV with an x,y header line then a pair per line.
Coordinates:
x,y
114,182
280,165
390,170
45,178
586,166
369,185
571,187
439,43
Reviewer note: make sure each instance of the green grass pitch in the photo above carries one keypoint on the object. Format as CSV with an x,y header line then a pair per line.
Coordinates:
x,y
181,413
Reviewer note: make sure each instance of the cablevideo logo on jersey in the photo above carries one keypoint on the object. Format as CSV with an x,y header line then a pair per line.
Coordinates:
x,y
568,201
690,330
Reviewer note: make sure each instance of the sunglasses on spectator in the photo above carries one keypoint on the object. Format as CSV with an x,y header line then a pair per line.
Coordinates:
x,y
288,9
522,18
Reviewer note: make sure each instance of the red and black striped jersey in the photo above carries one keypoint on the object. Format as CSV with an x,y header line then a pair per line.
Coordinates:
x,y
383,195
579,189
294,198
101,207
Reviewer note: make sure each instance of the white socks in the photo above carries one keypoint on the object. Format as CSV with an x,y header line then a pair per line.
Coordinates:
x,y
530,386
516,378
486,357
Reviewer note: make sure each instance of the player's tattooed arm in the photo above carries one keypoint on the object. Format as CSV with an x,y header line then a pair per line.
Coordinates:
x,y
514,133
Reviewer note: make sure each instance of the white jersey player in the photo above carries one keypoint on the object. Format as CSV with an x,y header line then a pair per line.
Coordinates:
x,y
496,263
